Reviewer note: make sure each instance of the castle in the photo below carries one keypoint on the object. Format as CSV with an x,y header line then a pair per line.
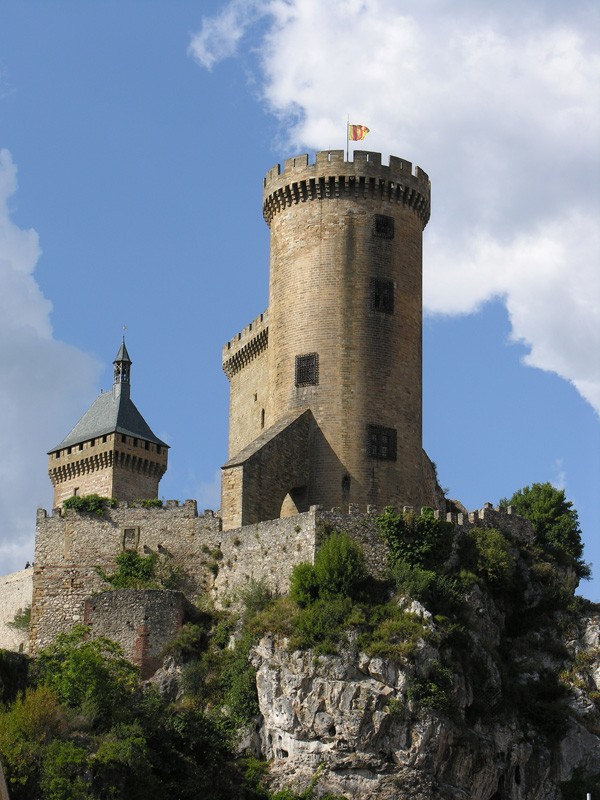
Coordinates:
x,y
325,414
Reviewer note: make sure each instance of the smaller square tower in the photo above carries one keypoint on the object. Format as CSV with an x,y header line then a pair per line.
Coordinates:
x,y
111,451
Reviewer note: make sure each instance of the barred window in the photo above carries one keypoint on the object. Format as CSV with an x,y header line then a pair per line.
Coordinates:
x,y
382,296
383,226
381,442
307,370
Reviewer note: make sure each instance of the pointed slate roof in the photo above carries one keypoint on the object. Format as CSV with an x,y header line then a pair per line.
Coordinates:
x,y
111,412
123,355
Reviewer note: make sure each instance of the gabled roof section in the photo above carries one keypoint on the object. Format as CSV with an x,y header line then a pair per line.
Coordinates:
x,y
110,414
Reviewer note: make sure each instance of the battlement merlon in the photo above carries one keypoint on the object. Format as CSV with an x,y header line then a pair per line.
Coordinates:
x,y
246,344
332,176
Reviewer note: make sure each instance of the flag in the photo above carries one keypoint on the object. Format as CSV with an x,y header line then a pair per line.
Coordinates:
x,y
357,132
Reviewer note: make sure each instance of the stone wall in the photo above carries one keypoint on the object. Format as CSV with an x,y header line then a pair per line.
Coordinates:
x,y
245,364
71,546
257,480
140,621
267,550
15,597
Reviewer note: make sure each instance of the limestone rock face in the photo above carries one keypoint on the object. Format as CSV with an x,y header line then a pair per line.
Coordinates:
x,y
350,718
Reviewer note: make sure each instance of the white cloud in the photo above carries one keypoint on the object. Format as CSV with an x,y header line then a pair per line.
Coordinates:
x,y
219,36
500,106
44,384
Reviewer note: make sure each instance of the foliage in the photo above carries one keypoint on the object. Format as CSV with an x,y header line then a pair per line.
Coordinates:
x,y
339,567
419,540
390,632
148,502
555,523
435,691
22,620
304,587
89,503
339,571
13,674
63,772
133,571
90,675
255,596
190,641
26,727
320,625
489,554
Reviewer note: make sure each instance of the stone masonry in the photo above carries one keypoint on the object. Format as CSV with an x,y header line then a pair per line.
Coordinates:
x,y
71,546
341,338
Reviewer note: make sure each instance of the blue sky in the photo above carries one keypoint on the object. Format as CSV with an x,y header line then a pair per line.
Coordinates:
x,y
133,142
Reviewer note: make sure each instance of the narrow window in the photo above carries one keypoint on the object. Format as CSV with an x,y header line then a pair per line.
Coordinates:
x,y
92,442
123,438
134,442
158,449
131,538
104,440
262,418
382,296
76,492
381,442
383,226
81,446
307,370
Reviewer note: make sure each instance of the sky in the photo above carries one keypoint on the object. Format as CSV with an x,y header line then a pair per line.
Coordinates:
x,y
134,137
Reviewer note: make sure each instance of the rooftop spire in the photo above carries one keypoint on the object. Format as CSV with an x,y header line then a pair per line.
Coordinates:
x,y
122,369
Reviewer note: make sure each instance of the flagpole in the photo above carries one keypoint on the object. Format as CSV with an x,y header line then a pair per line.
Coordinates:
x,y
348,138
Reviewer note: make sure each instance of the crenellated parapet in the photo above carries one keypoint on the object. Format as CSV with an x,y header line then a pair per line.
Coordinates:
x,y
246,345
333,177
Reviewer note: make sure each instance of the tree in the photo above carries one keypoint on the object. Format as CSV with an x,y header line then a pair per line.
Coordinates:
x,y
90,675
555,523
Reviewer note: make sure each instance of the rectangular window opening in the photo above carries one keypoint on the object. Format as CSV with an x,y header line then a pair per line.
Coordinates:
x,y
382,296
381,442
383,226
307,369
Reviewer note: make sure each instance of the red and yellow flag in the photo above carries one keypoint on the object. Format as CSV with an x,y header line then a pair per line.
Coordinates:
x,y
357,132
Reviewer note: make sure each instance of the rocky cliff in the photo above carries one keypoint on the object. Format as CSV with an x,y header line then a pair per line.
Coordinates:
x,y
355,718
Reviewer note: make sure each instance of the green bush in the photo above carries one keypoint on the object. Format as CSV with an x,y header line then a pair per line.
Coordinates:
x,y
339,571
133,571
255,596
419,540
339,567
64,772
26,728
90,503
304,586
435,691
391,633
90,675
495,562
321,624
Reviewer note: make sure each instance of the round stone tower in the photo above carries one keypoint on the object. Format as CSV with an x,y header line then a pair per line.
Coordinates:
x,y
345,324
